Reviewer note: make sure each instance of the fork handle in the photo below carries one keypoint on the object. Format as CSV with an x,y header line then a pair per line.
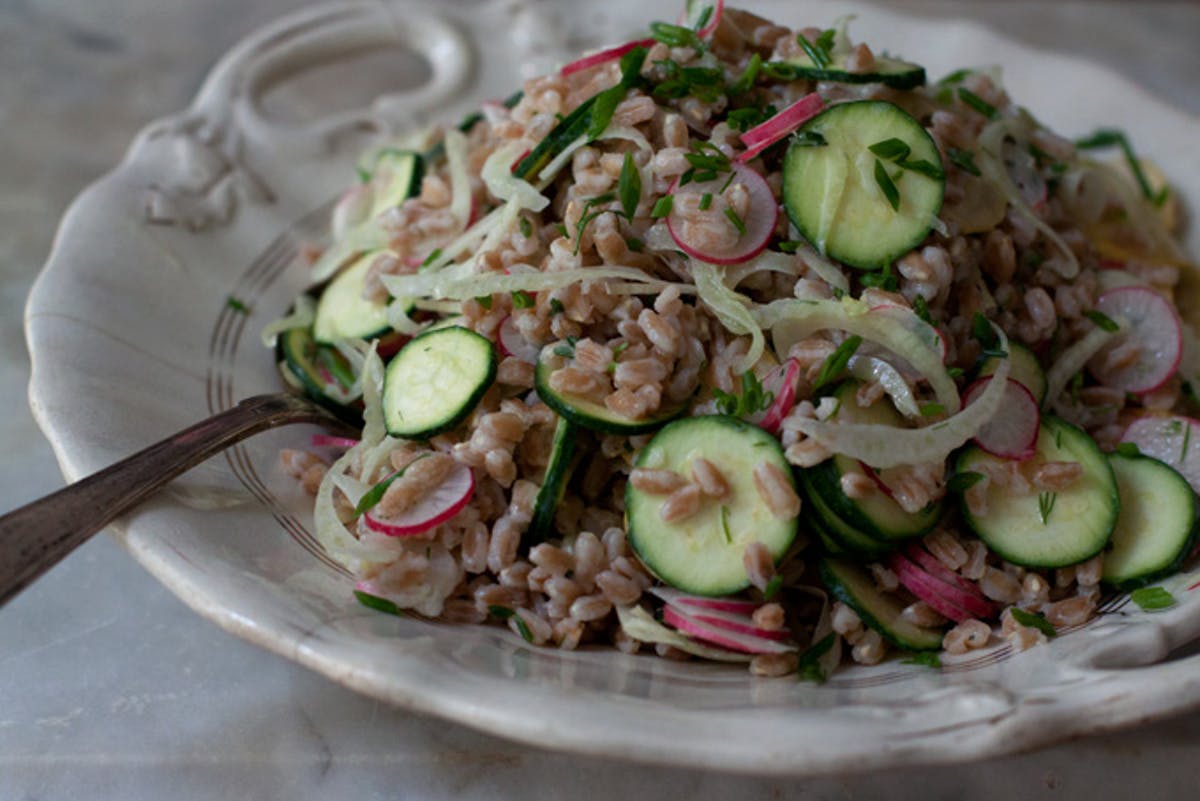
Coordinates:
x,y
37,536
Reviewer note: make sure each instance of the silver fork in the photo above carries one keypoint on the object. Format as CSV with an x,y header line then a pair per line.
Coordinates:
x,y
37,536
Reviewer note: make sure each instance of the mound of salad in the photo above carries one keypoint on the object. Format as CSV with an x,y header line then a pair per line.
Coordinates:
x,y
749,343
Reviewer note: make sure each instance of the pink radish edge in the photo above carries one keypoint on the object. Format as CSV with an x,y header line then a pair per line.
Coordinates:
x,y
765,134
731,640
734,605
331,441
718,9
513,344
1013,432
927,588
759,223
788,375
1156,324
930,564
603,57
435,508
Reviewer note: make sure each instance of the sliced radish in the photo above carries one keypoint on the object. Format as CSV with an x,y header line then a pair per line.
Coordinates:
x,y
728,621
1153,325
873,474
1022,170
735,246
604,56
765,134
934,567
946,600
1013,432
694,11
1173,439
513,344
686,601
435,508
781,383
330,441
734,641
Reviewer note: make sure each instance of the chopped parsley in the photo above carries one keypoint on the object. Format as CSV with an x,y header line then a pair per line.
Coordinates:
x,y
556,307
1152,598
753,398
882,279
835,363
1033,621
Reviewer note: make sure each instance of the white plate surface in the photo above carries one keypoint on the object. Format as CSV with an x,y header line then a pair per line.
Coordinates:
x,y
132,338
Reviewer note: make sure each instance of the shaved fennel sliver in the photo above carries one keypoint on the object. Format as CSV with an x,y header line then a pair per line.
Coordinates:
x,y
456,283
1072,360
899,330
872,368
302,316
460,179
498,177
730,308
883,446
641,625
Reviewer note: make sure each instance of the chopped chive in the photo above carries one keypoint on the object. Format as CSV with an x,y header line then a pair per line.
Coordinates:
x,y
887,185
556,307
961,482
378,604
928,659
1110,137
619,348
735,220
745,81
566,351
500,612
629,186
932,409
705,16
1152,598
662,206
921,309
955,77
1033,621
705,201
922,167
774,585
1127,449
675,35
635,244
978,103
1187,438
809,666
725,524
954,372
485,301
561,228
819,51
375,494
891,149
522,299
526,227
432,257
790,246
835,363
964,160
237,305
983,332
1102,320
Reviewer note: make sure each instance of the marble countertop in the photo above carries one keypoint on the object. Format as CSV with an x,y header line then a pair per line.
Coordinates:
x,y
111,689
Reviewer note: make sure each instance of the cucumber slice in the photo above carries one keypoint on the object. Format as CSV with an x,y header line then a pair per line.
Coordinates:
x,y
877,516
1026,370
399,173
831,192
561,136
343,312
831,527
854,587
435,381
1049,529
558,473
588,413
888,71
703,554
1157,524
311,366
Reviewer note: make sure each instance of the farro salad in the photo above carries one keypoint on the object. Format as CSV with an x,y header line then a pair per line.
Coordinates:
x,y
746,343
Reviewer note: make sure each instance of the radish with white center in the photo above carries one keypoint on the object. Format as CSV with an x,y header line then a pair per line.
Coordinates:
x,y
1150,323
734,641
604,56
765,134
435,507
702,207
1173,440
740,624
946,600
781,383
690,602
1012,432
512,343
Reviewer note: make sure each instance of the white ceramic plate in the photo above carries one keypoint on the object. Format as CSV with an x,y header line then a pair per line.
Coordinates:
x,y
133,337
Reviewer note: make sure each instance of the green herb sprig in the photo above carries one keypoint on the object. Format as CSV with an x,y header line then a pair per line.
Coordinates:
x,y
1033,621
752,398
1151,599
836,362
1111,137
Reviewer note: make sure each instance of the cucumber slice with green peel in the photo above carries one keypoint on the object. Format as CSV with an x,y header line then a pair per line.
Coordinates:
x,y
831,527
836,189
703,553
877,516
558,473
854,587
1157,525
399,174
1025,369
343,312
312,366
435,381
591,414
561,136
1048,529
893,72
